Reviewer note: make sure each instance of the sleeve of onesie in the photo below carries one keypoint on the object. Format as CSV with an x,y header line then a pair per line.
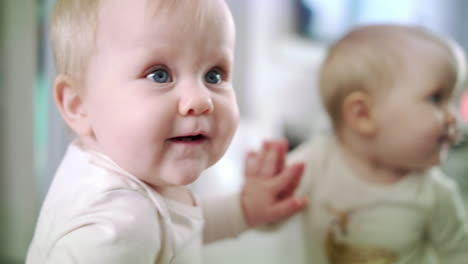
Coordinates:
x,y
120,227
224,217
448,229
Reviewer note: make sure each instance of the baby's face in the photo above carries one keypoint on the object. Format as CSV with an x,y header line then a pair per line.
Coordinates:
x,y
159,92
415,120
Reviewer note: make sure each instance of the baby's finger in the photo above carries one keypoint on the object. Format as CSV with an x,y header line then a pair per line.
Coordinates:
x,y
288,179
282,147
261,154
251,164
291,187
269,163
287,208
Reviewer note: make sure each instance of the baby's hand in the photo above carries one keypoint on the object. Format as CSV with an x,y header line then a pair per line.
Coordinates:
x,y
267,195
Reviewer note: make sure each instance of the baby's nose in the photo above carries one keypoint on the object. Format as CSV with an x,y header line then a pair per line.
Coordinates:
x,y
195,101
450,116
452,126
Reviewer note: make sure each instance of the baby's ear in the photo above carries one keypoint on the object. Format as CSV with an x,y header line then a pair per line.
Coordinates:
x,y
357,113
70,104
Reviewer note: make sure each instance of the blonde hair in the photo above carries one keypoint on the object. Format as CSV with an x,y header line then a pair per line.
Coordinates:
x,y
370,59
73,28
74,25
460,62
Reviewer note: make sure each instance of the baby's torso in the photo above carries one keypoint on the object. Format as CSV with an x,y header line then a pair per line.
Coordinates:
x,y
91,192
366,230
350,221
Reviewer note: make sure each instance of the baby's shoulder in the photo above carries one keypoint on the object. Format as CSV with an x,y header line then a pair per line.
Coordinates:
x,y
85,192
311,150
443,189
81,171
439,181
102,206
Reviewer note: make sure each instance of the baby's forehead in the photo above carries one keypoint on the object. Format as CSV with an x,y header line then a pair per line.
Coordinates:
x,y
190,9
431,54
183,15
415,50
189,17
430,67
165,33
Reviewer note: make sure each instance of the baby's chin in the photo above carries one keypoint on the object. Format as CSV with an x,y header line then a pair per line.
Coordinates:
x,y
437,159
443,153
182,179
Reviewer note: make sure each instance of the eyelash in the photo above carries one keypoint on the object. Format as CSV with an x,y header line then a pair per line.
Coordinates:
x,y
436,98
160,69
152,73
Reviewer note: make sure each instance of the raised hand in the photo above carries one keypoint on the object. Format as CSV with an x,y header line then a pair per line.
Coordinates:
x,y
268,192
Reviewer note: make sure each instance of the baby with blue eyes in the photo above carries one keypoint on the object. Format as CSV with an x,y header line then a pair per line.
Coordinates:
x,y
146,86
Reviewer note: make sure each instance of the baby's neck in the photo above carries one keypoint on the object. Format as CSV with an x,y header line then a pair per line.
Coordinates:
x,y
180,194
368,169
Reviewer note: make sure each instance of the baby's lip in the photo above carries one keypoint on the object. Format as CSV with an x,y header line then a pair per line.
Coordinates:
x,y
190,137
444,139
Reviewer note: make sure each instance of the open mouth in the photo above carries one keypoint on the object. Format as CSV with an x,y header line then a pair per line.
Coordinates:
x,y
441,139
185,139
445,141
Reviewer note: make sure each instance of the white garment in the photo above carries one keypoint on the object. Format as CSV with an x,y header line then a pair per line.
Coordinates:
x,y
95,212
352,221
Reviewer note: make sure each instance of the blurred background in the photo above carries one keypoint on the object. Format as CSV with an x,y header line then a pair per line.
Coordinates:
x,y
280,45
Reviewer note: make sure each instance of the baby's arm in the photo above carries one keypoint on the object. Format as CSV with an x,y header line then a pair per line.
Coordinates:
x,y
448,229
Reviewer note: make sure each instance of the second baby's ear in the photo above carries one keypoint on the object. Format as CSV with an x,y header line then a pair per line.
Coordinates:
x,y
69,101
357,113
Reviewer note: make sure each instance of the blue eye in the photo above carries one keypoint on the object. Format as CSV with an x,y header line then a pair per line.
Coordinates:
x,y
159,76
213,77
436,98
